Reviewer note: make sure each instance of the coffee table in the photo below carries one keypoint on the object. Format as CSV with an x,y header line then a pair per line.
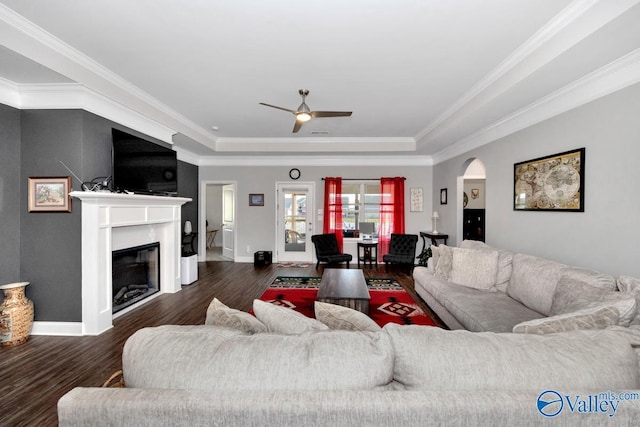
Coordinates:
x,y
344,287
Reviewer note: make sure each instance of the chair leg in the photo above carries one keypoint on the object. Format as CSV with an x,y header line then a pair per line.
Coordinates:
x,y
317,264
386,266
347,265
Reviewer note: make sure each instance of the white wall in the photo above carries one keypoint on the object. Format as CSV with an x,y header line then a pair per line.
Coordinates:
x,y
603,237
479,184
214,210
256,225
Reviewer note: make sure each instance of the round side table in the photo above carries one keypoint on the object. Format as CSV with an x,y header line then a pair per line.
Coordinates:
x,y
369,252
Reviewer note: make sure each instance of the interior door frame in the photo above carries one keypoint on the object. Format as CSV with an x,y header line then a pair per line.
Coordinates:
x,y
202,227
310,187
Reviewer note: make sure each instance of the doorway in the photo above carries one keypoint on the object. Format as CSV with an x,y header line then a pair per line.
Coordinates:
x,y
218,217
471,196
294,217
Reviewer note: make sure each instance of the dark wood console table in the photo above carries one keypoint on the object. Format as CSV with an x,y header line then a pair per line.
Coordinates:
x,y
434,238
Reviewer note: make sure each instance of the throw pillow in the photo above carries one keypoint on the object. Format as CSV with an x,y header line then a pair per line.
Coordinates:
x,y
474,268
220,315
444,262
285,320
591,277
631,286
628,284
339,317
433,261
505,259
591,318
572,295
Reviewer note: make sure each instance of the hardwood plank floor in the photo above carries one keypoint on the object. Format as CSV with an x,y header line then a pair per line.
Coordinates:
x,y
33,376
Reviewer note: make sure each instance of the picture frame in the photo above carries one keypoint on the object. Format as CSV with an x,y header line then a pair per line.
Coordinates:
x,y
256,199
49,194
550,183
416,200
443,196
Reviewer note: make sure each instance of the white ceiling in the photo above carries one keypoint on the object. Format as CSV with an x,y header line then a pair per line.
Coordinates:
x,y
427,78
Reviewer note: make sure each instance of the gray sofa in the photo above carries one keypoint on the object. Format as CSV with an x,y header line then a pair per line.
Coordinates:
x,y
399,375
479,288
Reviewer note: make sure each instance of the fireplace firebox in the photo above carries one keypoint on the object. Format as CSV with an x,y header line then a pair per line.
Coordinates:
x,y
135,274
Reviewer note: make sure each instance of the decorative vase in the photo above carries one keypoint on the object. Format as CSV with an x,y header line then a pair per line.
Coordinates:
x,y
16,315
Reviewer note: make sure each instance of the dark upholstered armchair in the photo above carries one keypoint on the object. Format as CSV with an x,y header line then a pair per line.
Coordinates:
x,y
402,250
327,250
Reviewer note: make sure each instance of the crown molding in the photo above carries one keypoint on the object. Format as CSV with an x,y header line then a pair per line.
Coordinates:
x,y
346,144
9,93
608,79
29,40
576,22
412,160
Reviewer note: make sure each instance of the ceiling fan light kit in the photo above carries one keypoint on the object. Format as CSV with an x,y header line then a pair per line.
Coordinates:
x,y
303,114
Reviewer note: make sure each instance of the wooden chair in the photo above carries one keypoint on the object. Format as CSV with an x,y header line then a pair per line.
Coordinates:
x,y
327,250
402,250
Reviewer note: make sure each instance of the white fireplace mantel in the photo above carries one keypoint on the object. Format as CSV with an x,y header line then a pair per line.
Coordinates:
x,y
112,221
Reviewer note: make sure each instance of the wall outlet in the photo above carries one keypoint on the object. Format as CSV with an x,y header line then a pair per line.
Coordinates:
x,y
248,249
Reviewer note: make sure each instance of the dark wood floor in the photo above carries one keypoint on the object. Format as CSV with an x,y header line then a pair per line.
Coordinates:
x,y
33,376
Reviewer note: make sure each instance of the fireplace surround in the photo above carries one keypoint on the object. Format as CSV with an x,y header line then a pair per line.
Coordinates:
x,y
114,221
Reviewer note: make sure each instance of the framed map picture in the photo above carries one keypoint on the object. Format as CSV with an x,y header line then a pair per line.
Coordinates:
x,y
552,183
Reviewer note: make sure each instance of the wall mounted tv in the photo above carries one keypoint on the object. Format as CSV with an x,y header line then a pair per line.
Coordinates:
x,y
143,167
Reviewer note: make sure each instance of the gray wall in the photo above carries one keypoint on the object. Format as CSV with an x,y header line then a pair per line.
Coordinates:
x,y
9,195
256,226
188,187
45,248
604,237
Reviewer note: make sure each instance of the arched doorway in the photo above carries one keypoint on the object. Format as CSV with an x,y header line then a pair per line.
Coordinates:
x,y
471,198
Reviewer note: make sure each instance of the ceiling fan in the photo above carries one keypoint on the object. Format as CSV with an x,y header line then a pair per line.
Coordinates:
x,y
304,114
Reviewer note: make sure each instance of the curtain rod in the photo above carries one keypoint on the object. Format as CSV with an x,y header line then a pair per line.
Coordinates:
x,y
363,179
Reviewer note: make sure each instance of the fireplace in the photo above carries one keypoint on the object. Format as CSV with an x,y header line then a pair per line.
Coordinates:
x,y
135,274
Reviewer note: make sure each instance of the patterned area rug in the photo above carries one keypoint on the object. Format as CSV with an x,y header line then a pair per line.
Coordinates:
x,y
386,306
313,282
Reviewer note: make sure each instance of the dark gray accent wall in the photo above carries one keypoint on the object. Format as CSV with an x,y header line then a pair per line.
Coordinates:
x,y
51,242
10,195
188,187
45,248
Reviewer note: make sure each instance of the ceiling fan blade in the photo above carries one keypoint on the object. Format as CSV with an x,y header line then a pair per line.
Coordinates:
x,y
279,108
330,113
297,125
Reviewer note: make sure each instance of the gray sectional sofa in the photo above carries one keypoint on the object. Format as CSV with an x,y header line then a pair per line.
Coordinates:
x,y
399,375
479,288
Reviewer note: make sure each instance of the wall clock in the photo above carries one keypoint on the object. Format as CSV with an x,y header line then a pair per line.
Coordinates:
x,y
294,173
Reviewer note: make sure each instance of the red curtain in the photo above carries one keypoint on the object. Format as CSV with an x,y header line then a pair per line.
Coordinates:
x,y
333,208
391,211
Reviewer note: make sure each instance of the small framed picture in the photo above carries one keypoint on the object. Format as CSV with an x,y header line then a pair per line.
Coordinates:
x,y
49,194
256,199
443,196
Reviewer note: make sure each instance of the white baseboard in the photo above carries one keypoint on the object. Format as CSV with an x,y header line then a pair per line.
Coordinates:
x,y
57,328
244,259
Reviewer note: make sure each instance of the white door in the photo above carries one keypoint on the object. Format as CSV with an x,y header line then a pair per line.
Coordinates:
x,y
228,220
295,221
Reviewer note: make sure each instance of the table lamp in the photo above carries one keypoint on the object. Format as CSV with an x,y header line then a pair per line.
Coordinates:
x,y
435,217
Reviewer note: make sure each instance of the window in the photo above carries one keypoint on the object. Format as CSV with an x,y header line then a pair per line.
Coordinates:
x,y
360,203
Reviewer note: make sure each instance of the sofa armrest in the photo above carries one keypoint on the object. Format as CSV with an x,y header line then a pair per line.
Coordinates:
x,y
137,407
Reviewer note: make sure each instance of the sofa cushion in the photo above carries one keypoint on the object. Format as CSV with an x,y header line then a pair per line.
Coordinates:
x,y
474,268
572,295
339,317
592,278
211,358
590,318
285,320
221,315
429,358
476,310
533,281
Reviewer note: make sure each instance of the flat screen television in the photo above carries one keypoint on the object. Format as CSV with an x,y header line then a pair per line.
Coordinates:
x,y
143,167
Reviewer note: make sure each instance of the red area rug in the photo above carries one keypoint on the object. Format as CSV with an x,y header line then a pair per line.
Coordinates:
x,y
386,306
